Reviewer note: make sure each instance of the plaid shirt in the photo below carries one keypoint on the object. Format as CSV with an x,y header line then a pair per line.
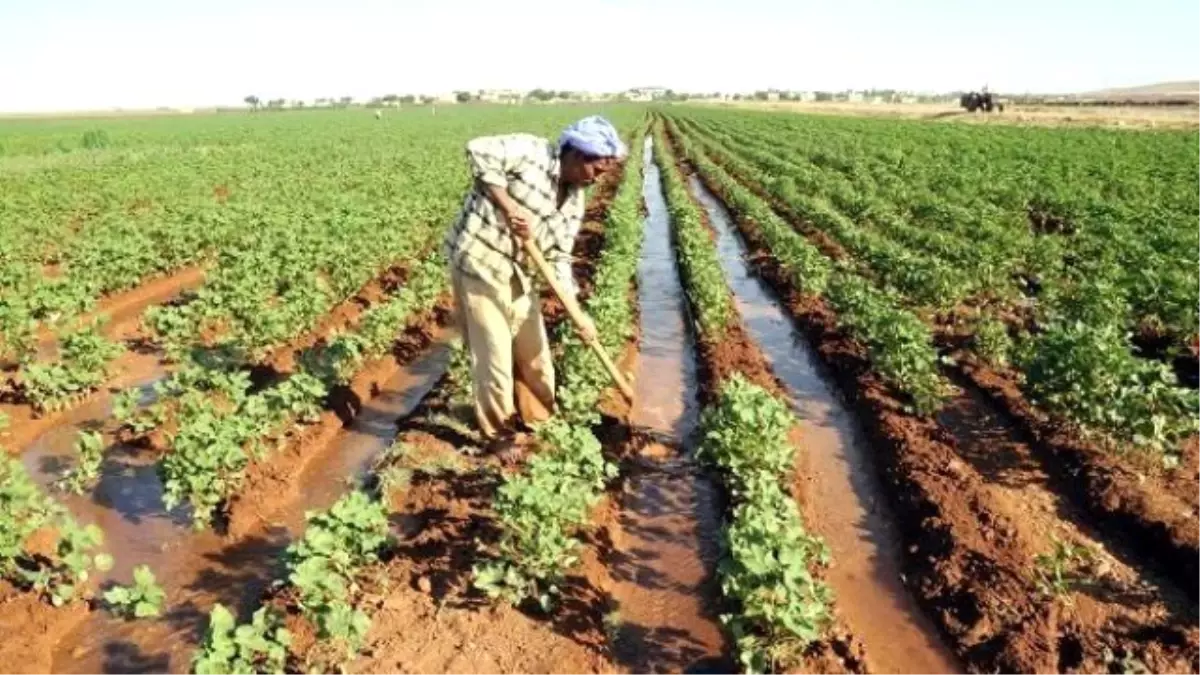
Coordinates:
x,y
480,243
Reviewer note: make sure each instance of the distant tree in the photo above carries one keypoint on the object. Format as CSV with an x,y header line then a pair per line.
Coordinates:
x,y
297,103
408,99
345,101
462,96
823,96
737,97
252,101
276,103
540,95
760,95
426,100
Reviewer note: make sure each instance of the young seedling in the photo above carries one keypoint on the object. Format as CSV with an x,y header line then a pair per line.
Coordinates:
x,y
1064,569
84,475
142,599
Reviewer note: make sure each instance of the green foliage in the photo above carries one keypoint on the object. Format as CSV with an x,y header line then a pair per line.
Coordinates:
x,y
1027,220
1088,374
900,344
1063,569
24,509
698,261
257,647
540,511
81,367
992,342
337,361
140,600
86,472
337,543
769,562
94,139
62,577
211,448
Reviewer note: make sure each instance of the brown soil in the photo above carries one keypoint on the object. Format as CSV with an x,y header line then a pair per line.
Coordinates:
x,y
31,627
968,556
137,364
345,314
25,424
1155,513
273,481
735,352
427,617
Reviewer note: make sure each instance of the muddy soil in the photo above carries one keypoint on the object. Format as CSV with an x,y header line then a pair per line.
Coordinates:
x,y
968,557
200,569
841,497
663,538
272,481
1152,512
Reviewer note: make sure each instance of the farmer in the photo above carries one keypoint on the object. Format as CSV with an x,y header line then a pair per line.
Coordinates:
x,y
525,188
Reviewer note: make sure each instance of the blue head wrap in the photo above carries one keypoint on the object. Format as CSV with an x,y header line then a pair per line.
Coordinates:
x,y
593,136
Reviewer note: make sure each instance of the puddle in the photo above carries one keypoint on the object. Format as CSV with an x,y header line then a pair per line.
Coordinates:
x,y
845,500
198,569
666,546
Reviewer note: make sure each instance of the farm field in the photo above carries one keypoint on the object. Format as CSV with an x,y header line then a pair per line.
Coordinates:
x,y
910,397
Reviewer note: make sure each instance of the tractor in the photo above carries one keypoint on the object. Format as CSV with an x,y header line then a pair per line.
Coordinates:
x,y
987,102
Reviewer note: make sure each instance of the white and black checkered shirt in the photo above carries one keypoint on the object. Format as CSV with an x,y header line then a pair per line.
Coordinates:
x,y
480,243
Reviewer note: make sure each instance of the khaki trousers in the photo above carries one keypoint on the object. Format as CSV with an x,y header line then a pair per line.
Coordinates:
x,y
511,366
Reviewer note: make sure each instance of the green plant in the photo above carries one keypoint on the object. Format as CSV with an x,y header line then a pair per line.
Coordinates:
x,y
80,368
770,559
142,599
1062,570
992,342
322,566
540,510
1088,374
72,565
260,646
86,472
24,509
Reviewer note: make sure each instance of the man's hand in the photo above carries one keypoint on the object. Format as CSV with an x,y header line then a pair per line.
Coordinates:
x,y
586,328
520,220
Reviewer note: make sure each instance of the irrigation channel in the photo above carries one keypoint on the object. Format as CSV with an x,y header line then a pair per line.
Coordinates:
x,y
666,546
844,503
197,570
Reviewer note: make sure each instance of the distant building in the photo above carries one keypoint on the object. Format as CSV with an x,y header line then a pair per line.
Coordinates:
x,y
646,93
501,96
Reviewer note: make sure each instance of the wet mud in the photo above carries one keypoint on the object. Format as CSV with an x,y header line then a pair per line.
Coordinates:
x,y
665,544
199,569
842,499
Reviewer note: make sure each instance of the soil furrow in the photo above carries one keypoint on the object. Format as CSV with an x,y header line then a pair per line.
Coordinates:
x,y
967,558
839,493
664,545
199,569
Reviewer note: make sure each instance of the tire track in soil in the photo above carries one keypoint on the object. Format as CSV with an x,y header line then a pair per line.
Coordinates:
x,y
968,559
664,539
841,495
198,569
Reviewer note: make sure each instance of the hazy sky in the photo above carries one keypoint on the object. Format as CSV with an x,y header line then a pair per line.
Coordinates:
x,y
80,54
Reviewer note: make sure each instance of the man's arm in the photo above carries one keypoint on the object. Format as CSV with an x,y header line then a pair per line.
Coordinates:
x,y
492,159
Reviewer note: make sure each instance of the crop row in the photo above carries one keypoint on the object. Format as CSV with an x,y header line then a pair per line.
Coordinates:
x,y
900,345
539,510
770,561
1076,363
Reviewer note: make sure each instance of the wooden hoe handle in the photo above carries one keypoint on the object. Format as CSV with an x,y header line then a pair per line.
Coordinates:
x,y
576,315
